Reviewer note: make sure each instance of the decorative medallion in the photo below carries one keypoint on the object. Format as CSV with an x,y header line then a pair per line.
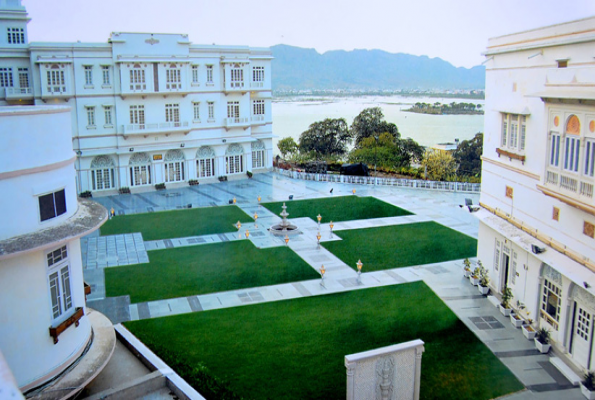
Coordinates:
x,y
556,214
556,120
509,192
589,229
102,162
592,126
573,126
152,41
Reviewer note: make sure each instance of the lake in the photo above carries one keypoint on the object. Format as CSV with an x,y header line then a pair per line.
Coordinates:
x,y
292,116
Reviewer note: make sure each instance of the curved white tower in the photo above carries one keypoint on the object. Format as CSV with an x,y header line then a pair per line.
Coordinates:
x,y
43,323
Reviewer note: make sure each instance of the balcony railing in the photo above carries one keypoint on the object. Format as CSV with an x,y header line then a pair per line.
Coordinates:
x,y
258,118
239,122
235,86
256,84
161,127
12,93
564,182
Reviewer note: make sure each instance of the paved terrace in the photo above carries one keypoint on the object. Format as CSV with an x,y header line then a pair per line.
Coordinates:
x,y
535,370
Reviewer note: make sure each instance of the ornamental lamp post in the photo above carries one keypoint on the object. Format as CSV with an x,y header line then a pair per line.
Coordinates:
x,y
247,234
286,240
318,238
259,200
322,271
331,226
318,218
239,225
353,191
234,200
359,271
255,220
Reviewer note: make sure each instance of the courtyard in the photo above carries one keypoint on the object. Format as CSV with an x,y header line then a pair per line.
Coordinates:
x,y
390,304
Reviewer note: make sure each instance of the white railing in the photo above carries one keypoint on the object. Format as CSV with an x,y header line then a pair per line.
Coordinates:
x,y
243,121
11,91
551,177
56,89
580,187
138,86
256,84
568,183
155,127
236,85
587,189
257,118
370,180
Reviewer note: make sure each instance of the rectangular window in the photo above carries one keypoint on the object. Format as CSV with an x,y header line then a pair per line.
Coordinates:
x,y
234,164
257,158
107,112
513,131
15,35
555,150
56,81
172,114
504,140
52,205
258,74
258,107
173,79
206,167
137,79
551,301
571,153
211,109
90,116
140,175
209,74
6,77
174,171
590,157
23,78
523,132
233,110
59,281
105,74
57,255
195,81
88,75
237,77
137,116
103,178
196,108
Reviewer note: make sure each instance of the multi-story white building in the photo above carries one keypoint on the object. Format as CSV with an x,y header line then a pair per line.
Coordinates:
x,y
537,232
147,108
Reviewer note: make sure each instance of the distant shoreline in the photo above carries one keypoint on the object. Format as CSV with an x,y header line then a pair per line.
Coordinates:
x,y
446,109
317,95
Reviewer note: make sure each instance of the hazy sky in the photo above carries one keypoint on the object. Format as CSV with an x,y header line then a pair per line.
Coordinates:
x,y
454,30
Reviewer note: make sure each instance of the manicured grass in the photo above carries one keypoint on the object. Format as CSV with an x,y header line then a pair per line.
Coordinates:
x,y
204,269
340,208
295,349
401,246
178,223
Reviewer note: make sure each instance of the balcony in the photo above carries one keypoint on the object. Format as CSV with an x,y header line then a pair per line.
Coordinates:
x,y
56,91
12,94
155,128
236,86
238,122
570,186
257,85
258,120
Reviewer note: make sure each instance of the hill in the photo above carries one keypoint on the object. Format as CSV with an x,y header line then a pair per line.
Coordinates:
x,y
296,68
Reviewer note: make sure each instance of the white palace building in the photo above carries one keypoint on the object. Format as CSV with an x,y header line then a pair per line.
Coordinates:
x,y
537,222
147,108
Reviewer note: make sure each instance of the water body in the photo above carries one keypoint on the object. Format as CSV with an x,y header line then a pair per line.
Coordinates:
x,y
293,116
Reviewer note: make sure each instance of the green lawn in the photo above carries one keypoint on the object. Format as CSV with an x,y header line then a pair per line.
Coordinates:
x,y
178,223
401,246
340,208
295,349
204,269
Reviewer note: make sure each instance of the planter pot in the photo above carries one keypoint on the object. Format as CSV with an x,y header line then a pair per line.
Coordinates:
x,y
483,289
589,394
505,311
516,321
467,273
474,281
529,332
543,348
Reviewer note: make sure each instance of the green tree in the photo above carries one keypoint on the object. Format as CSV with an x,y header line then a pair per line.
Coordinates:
x,y
468,156
387,152
287,146
330,137
369,123
439,165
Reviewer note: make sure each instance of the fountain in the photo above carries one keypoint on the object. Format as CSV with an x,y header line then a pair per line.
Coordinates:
x,y
284,227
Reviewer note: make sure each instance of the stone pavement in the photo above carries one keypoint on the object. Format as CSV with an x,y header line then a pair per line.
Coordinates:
x,y
508,343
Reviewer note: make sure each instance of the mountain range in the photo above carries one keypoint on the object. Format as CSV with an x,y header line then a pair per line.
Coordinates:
x,y
296,68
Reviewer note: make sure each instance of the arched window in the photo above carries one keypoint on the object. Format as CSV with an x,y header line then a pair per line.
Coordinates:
x,y
205,162
572,141
234,159
140,169
174,166
258,152
103,173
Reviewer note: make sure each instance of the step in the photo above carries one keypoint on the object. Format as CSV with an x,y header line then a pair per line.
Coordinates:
x,y
494,300
565,370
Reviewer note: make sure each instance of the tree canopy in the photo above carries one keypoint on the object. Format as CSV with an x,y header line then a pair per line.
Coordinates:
x,y
369,123
468,156
439,165
287,146
330,137
388,152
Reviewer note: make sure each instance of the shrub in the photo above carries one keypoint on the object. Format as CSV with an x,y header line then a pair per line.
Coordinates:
x,y
160,186
543,336
86,194
124,190
506,297
249,173
589,381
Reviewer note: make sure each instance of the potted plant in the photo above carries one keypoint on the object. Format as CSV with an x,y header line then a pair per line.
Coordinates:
x,y
528,330
124,190
542,340
516,320
475,277
249,173
484,280
467,264
193,182
505,304
222,178
160,186
588,385
86,194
